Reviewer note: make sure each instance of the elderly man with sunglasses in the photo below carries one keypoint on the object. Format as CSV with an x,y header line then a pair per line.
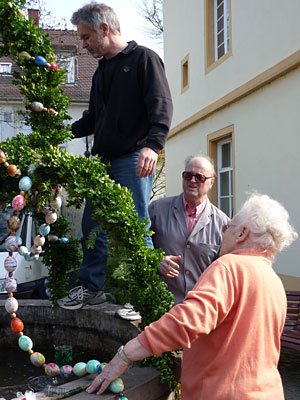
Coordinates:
x,y
188,228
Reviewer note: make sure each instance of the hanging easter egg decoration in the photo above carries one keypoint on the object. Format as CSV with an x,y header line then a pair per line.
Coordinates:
x,y
10,284
79,369
44,229
37,106
17,325
37,359
11,243
66,370
10,263
25,343
92,366
11,305
40,61
13,223
53,66
18,202
51,217
117,386
31,169
25,183
56,203
24,55
52,369
12,170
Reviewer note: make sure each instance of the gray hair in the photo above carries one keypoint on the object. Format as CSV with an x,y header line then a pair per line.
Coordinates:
x,y
207,159
94,14
268,223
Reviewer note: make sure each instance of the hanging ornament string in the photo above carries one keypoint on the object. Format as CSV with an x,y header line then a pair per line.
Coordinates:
x,y
14,243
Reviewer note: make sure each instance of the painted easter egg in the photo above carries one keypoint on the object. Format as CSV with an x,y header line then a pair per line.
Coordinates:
x,y
11,243
37,106
123,398
40,61
64,240
66,370
56,203
91,366
25,343
79,369
36,249
51,217
19,240
52,111
13,223
25,183
37,359
100,368
52,369
22,250
17,325
18,202
39,240
44,229
52,238
28,257
11,305
10,263
12,170
117,386
53,66
10,284
23,55
31,169
2,157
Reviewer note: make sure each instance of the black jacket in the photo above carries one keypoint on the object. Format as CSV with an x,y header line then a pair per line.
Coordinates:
x,y
130,104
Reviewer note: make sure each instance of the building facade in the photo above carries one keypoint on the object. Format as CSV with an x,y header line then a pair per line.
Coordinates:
x,y
234,72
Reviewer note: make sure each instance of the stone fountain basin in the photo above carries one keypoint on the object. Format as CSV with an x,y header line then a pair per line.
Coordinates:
x,y
93,328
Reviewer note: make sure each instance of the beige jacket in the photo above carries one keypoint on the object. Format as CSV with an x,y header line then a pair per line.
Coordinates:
x,y
197,250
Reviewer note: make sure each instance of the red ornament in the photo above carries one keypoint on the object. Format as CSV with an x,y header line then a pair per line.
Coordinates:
x,y
53,66
17,325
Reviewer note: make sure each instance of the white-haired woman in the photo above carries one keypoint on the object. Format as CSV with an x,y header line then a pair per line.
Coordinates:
x,y
230,324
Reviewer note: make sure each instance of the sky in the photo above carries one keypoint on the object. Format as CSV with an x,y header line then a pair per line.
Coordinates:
x,y
132,23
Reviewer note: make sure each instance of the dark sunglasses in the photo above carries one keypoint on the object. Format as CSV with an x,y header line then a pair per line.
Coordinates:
x,y
187,176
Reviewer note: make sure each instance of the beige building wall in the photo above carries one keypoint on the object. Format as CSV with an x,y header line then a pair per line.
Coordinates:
x,y
254,93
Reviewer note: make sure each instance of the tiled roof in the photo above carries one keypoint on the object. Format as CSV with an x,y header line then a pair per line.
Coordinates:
x,y
62,41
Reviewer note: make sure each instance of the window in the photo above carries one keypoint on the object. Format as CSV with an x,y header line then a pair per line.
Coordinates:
x,y
23,128
225,186
185,74
221,25
67,61
221,150
217,32
5,68
6,124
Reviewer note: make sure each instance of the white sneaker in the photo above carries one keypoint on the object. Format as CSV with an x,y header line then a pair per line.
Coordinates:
x,y
128,313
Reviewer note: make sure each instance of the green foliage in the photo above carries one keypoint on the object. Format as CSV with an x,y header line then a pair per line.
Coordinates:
x,y
80,177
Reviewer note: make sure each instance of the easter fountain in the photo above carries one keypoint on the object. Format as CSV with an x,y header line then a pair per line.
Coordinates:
x,y
32,167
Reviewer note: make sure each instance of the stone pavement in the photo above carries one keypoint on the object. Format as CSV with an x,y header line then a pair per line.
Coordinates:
x,y
289,368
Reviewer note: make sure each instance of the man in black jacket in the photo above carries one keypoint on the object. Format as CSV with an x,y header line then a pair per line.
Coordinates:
x,y
130,113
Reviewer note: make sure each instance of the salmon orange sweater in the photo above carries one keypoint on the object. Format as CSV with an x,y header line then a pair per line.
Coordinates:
x,y
229,326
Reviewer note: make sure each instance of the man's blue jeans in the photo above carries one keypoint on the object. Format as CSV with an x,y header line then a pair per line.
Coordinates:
x,y
123,171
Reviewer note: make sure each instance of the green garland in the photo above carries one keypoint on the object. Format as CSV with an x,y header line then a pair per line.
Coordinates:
x,y
147,293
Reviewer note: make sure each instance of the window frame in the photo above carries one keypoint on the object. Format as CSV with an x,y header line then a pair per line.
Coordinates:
x,y
210,32
6,73
68,58
220,171
213,139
